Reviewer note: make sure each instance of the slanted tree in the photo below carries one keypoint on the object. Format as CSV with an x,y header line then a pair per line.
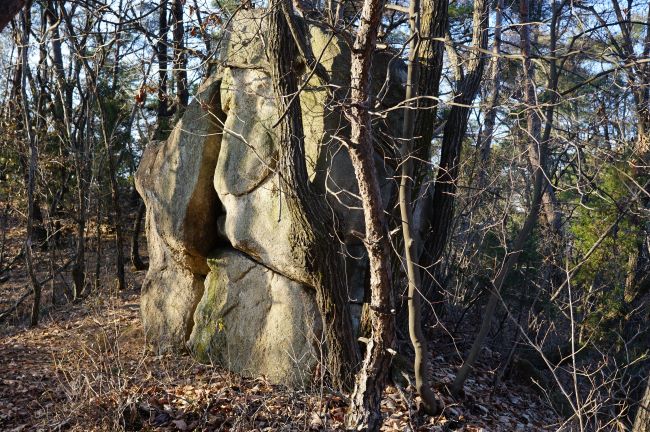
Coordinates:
x,y
364,412
8,9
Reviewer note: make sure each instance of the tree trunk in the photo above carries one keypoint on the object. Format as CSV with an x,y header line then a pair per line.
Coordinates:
x,y
484,143
82,174
33,161
364,412
180,58
422,361
642,419
79,267
136,261
313,228
98,240
8,9
162,125
117,210
454,131
433,26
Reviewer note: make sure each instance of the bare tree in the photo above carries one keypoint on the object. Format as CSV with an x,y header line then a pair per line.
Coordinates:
x,y
537,153
33,161
364,412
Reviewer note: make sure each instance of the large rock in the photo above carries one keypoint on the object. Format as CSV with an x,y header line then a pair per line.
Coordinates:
x,y
175,177
212,190
255,321
256,219
170,293
175,181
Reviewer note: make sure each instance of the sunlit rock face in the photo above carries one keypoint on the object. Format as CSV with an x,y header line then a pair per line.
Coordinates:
x,y
175,180
255,321
223,281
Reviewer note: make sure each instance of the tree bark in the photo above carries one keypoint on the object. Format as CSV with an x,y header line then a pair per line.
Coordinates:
x,y
33,161
8,9
422,361
180,58
642,418
364,412
433,27
162,125
313,227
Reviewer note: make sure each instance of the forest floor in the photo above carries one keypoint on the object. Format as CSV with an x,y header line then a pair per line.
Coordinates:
x,y
85,368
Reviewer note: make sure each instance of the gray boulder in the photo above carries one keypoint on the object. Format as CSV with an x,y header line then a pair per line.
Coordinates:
x,y
255,321
256,221
223,280
175,181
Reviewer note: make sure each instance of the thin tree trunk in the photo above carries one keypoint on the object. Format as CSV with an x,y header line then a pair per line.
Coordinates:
x,y
33,161
81,171
550,205
364,412
484,143
98,240
136,261
422,361
162,125
117,210
180,58
5,221
313,227
79,267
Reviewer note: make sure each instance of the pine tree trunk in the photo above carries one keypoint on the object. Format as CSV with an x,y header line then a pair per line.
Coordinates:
x,y
364,412
180,58
433,26
162,124
484,143
444,195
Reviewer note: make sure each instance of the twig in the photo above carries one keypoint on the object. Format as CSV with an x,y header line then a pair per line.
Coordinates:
x,y
12,309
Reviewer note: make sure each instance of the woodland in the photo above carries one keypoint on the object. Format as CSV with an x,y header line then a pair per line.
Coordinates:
x,y
398,215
